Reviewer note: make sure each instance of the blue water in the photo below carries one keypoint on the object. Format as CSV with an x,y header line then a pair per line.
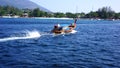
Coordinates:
x,y
28,43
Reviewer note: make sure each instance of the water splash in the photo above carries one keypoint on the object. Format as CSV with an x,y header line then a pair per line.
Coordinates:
x,y
32,34
27,35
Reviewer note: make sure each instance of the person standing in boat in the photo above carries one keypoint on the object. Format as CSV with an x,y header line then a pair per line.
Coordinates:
x,y
73,25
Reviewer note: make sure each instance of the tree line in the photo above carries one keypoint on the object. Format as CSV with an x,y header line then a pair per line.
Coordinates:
x,y
5,10
102,13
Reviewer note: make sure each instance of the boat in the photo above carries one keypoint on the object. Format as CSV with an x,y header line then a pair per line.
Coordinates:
x,y
64,30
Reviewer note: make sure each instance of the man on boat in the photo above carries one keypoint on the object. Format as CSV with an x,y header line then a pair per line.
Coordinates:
x,y
57,29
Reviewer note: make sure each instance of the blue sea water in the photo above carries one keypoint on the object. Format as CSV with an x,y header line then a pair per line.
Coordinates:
x,y
28,43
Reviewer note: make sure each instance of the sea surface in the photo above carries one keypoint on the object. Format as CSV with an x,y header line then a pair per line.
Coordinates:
x,y
28,43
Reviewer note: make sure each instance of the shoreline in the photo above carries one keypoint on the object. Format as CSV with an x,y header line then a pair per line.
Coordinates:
x,y
38,18
58,18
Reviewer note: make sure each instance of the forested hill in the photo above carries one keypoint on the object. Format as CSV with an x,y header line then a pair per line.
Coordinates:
x,y
22,4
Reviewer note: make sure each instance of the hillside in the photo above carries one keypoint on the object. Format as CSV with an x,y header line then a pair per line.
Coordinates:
x,y
22,4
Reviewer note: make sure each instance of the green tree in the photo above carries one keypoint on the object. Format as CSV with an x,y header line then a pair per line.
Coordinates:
x,y
58,14
36,12
92,15
70,15
117,16
105,12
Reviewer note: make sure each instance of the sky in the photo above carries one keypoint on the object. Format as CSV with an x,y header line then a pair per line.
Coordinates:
x,y
78,6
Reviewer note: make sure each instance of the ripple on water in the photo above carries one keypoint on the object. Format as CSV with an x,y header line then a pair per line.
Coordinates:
x,y
95,45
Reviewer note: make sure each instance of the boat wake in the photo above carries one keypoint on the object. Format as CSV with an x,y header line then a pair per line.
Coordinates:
x,y
27,35
31,35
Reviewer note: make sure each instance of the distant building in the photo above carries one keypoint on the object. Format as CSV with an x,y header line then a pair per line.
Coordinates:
x,y
25,15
